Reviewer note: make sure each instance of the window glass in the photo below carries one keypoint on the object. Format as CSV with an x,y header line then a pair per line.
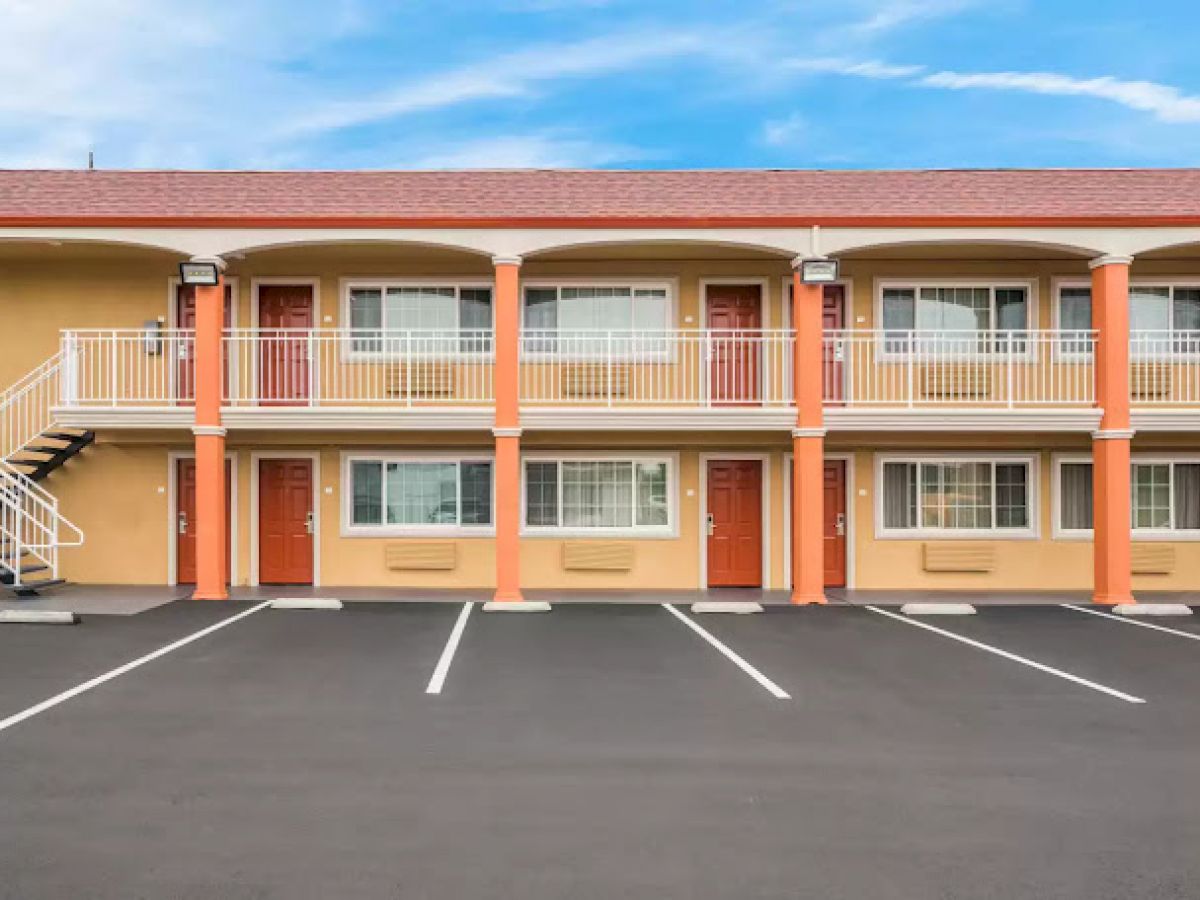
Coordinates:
x,y
366,318
1012,309
1075,500
1186,313
422,493
597,494
652,494
1075,309
367,479
1151,495
475,493
899,495
1012,495
651,310
1149,308
415,493
541,493
421,308
954,309
1187,495
899,309
956,495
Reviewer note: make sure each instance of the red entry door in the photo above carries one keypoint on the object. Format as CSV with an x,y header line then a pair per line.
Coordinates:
x,y
285,316
285,521
835,523
833,317
185,521
734,318
185,318
735,523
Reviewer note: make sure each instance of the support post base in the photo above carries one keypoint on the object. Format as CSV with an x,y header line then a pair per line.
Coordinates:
x,y
808,599
210,595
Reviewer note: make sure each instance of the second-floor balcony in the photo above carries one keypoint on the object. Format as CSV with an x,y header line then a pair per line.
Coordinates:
x,y
601,378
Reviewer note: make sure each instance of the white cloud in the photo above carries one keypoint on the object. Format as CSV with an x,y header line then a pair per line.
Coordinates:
x,y
506,76
787,132
892,14
1163,101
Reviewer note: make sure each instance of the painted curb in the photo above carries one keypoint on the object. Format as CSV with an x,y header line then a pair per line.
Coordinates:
x,y
516,606
938,609
38,617
306,603
737,608
1152,609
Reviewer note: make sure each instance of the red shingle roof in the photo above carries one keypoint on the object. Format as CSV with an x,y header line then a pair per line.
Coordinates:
x,y
566,197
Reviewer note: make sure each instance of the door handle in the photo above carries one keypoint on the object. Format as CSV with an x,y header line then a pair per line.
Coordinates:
x,y
841,524
710,524
308,523
183,523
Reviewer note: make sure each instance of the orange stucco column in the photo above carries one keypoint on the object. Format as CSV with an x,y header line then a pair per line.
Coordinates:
x,y
1112,517
808,445
507,430
211,540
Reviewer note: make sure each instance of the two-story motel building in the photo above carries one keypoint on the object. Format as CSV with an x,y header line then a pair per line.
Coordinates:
x,y
602,381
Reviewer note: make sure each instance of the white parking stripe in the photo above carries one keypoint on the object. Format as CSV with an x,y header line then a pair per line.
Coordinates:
x,y
121,670
771,687
443,664
1126,621
1049,670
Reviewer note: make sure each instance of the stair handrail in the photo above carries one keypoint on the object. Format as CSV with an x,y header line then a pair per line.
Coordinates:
x,y
26,407
31,523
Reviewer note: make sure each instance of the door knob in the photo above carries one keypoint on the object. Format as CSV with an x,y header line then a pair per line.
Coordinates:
x,y
308,523
841,524
711,524
183,523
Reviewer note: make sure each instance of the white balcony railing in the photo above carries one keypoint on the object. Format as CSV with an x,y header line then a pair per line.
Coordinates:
x,y
985,369
626,368
128,368
346,368
1164,368
332,368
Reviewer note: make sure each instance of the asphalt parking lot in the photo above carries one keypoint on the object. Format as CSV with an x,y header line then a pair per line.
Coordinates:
x,y
433,751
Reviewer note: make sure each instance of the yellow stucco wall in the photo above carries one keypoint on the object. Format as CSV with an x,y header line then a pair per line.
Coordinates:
x,y
118,490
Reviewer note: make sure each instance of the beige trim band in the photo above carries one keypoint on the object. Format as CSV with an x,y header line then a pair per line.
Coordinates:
x,y
1110,261
506,261
208,430
506,432
808,432
1115,434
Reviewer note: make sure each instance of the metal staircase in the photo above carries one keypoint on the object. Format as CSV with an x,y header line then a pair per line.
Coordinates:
x,y
32,530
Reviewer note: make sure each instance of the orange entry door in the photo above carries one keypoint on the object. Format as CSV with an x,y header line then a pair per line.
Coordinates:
x,y
734,317
185,521
285,316
285,521
185,318
835,523
734,523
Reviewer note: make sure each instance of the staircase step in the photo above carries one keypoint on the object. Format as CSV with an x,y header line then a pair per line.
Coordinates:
x,y
32,589
69,435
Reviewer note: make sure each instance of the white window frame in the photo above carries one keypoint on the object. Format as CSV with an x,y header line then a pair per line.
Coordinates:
x,y
351,530
670,285
1030,532
1138,534
367,282
1171,283
1029,285
670,530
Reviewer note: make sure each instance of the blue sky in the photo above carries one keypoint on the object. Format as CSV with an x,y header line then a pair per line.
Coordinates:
x,y
599,83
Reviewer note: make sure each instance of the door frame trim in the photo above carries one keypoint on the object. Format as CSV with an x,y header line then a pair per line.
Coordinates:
x,y
311,281
255,458
173,458
848,458
847,283
174,282
764,460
